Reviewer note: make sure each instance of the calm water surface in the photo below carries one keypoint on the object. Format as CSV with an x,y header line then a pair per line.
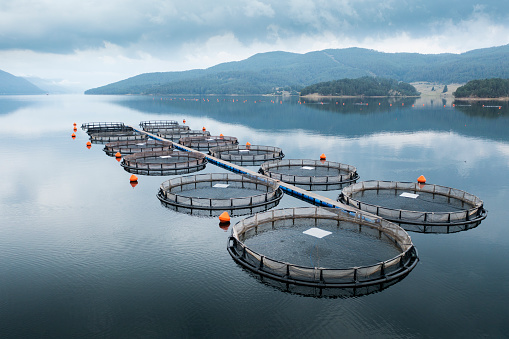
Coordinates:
x,y
83,254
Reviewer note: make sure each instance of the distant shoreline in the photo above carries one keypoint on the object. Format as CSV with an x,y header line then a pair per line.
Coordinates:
x,y
483,99
318,96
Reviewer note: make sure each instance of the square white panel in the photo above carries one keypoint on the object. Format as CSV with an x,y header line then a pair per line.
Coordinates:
x,y
317,232
308,168
408,195
221,185
165,156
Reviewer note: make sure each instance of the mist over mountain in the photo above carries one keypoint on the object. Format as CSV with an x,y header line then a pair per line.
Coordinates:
x,y
265,72
10,84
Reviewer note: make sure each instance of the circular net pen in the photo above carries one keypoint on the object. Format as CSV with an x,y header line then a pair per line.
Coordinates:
x,y
323,248
212,194
147,125
105,137
247,154
136,146
424,208
176,135
313,175
203,143
97,127
164,162
167,129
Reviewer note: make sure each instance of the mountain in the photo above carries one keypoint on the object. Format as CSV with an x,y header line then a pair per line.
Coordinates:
x,y
10,84
265,72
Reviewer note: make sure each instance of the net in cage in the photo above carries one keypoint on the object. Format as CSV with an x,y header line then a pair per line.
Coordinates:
x,y
322,247
136,146
203,143
164,162
167,129
313,175
247,154
147,125
98,127
214,193
418,207
176,135
111,136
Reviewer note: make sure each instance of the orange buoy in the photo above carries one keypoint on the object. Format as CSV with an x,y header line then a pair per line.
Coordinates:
x,y
89,143
118,155
74,129
74,124
248,143
221,135
73,135
133,178
224,217
204,129
421,179
184,121
323,157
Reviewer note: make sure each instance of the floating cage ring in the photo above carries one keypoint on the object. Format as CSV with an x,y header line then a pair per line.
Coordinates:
x,y
170,129
220,192
247,153
164,162
177,134
95,127
207,142
110,136
158,123
415,203
135,146
310,172
337,220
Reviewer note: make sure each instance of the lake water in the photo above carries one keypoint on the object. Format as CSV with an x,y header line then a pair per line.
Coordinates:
x,y
83,254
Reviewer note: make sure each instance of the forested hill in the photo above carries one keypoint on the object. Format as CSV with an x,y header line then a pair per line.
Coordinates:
x,y
486,88
10,84
366,86
264,72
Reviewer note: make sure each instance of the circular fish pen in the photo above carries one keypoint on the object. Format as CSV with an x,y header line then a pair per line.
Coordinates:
x,y
417,207
212,194
167,129
97,127
111,136
313,175
203,143
147,125
164,162
136,146
176,135
247,154
322,247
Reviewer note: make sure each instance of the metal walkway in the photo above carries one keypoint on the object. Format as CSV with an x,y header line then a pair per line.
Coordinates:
x,y
292,190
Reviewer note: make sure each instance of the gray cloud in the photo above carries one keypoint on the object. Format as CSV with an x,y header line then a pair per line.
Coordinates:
x,y
62,26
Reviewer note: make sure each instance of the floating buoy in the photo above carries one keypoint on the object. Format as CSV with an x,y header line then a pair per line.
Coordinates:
x,y
248,143
224,217
421,179
74,124
221,135
74,129
184,121
323,157
73,136
89,144
204,129
133,178
118,155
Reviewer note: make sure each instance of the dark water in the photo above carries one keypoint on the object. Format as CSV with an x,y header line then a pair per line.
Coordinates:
x,y
83,254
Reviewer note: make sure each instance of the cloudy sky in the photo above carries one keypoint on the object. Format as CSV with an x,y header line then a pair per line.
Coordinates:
x,y
90,43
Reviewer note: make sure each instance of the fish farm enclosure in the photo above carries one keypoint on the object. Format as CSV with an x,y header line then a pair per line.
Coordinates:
x,y
128,231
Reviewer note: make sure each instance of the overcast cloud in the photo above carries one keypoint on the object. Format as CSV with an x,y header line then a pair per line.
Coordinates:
x,y
90,43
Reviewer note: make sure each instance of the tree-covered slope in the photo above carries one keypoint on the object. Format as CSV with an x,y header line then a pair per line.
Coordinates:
x,y
265,71
10,84
367,86
486,88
